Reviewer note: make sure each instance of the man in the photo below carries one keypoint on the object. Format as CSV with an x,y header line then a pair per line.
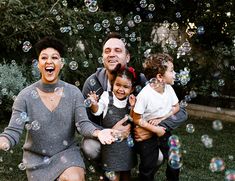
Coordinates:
x,y
115,52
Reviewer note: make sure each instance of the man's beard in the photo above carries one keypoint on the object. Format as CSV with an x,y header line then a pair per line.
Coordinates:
x,y
115,70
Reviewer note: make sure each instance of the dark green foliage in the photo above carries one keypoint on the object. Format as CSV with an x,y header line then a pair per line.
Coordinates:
x,y
211,58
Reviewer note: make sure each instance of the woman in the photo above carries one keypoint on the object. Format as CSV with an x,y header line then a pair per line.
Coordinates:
x,y
51,110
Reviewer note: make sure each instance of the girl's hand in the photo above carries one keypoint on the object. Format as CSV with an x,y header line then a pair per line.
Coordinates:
x,y
93,97
132,100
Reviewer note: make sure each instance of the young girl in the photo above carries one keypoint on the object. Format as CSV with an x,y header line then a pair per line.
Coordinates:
x,y
156,102
118,157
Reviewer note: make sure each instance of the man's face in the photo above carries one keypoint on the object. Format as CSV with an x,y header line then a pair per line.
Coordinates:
x,y
114,52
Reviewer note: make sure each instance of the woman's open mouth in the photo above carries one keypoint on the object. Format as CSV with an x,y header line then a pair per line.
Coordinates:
x,y
50,70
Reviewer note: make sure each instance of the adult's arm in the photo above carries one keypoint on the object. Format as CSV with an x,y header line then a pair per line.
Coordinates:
x,y
170,123
92,84
142,134
18,118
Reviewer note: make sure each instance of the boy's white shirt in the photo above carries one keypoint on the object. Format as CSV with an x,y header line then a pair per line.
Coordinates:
x,y
104,101
151,104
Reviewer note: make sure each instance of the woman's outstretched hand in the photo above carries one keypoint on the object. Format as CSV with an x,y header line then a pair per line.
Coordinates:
x,y
4,144
106,136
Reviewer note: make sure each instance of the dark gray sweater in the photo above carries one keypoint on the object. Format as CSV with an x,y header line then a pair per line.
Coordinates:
x,y
49,150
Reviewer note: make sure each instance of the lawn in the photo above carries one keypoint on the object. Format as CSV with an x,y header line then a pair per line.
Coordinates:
x,y
196,157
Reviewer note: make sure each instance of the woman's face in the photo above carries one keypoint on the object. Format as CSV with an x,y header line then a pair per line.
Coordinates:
x,y
122,87
49,64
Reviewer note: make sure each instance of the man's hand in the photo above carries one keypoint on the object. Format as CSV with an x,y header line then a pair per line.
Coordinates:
x,y
119,125
125,129
142,134
155,121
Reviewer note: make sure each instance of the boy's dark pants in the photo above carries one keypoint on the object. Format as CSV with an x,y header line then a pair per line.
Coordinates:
x,y
149,150
171,174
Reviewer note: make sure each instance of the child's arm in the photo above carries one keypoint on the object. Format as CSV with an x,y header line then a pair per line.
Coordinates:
x,y
159,130
94,101
174,110
132,101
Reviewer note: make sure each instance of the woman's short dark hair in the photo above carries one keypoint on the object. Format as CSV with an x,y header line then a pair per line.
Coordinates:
x,y
49,42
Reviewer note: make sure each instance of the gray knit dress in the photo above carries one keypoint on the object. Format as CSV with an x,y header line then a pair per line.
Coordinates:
x,y
50,145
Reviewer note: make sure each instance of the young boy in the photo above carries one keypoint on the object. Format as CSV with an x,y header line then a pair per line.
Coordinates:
x,y
156,102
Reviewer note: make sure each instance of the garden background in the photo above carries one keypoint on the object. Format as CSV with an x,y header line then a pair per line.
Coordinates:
x,y
200,35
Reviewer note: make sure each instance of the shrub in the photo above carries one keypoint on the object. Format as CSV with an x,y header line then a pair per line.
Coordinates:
x,y
12,81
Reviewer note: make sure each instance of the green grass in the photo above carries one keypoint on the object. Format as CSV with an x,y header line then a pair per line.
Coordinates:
x,y
196,158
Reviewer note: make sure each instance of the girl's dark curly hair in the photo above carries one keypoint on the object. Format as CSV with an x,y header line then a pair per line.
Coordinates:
x,y
128,72
156,64
49,42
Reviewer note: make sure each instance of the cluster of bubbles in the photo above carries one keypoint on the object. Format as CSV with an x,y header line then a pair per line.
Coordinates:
x,y
184,49
24,119
187,98
91,5
130,141
110,175
217,164
26,46
183,76
175,157
207,141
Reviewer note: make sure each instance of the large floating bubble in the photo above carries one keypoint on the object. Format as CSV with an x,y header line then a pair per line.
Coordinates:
x,y
217,164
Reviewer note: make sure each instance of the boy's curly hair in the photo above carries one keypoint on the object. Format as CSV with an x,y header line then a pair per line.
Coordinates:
x,y
156,64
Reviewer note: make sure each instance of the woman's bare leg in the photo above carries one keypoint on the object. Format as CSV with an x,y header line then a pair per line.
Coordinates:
x,y
73,174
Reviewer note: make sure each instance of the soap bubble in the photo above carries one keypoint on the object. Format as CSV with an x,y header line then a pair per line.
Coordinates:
x,y
217,125
190,128
217,164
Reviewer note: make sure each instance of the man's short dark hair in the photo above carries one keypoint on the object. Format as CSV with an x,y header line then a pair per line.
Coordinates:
x,y
115,35
49,42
